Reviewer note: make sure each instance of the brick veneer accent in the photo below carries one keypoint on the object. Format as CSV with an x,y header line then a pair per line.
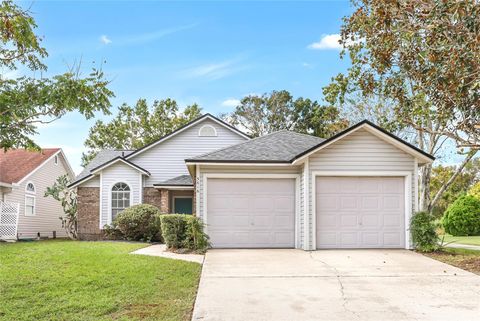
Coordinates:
x,y
164,201
151,196
88,220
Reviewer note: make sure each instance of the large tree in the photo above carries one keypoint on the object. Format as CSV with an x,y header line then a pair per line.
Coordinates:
x,y
26,102
260,115
421,57
138,125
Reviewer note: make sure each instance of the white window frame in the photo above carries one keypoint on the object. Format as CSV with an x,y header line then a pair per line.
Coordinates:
x,y
34,188
110,214
180,196
204,126
34,212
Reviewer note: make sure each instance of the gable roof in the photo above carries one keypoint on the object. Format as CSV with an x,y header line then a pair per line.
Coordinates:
x,y
277,147
122,160
17,164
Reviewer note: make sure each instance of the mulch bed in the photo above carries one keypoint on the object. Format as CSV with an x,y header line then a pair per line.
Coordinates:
x,y
468,262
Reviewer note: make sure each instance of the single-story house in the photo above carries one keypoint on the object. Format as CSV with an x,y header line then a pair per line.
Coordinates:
x,y
24,178
357,189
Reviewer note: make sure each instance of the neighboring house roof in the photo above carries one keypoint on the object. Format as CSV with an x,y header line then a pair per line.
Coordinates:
x,y
16,164
277,147
182,180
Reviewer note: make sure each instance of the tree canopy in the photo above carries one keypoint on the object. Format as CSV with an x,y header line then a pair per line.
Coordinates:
x,y
26,102
138,125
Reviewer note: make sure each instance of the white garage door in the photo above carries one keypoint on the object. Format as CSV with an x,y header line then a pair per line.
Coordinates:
x,y
360,212
251,213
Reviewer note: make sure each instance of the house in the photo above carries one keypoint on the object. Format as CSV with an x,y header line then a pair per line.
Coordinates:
x,y
24,178
357,189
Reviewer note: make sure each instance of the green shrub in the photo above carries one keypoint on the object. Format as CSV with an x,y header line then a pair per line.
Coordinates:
x,y
423,231
462,217
139,223
475,190
184,231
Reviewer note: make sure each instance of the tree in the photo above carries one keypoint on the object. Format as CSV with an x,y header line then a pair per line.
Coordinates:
x,y
422,57
68,198
26,102
137,126
260,115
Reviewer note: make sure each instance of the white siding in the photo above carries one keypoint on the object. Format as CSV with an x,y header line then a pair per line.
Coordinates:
x,y
92,182
167,159
359,151
116,173
47,210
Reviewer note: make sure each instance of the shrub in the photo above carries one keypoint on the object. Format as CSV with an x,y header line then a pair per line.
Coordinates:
x,y
423,231
475,190
184,231
462,217
139,223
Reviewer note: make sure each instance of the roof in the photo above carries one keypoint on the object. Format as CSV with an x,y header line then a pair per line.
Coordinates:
x,y
277,147
119,159
16,164
182,180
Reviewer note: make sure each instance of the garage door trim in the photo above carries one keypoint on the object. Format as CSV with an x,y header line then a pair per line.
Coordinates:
x,y
206,176
408,195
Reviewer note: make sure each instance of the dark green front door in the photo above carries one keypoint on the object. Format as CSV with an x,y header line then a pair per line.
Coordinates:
x,y
183,205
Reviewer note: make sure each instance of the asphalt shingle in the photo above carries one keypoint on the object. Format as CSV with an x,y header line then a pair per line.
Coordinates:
x,y
101,158
182,180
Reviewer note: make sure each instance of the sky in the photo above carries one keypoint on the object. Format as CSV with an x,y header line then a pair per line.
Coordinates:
x,y
210,53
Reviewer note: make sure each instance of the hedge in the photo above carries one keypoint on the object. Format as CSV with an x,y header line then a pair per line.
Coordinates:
x,y
462,217
423,230
184,231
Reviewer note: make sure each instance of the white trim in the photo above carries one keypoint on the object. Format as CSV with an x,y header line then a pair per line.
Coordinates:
x,y
377,133
206,176
60,151
237,164
123,161
200,119
174,187
140,193
408,196
34,205
196,191
207,125
83,180
5,184
306,205
180,196
109,215
101,201
34,188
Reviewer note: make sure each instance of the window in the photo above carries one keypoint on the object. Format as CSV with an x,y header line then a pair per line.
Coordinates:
x,y
207,130
30,188
56,159
120,198
29,205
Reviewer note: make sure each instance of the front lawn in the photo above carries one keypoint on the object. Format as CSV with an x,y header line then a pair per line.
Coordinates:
x,y
66,280
465,259
470,240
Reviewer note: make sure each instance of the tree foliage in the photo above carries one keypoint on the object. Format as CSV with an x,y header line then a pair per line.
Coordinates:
x,y
26,102
260,115
136,126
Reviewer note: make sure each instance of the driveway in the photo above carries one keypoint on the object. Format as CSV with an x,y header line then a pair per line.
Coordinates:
x,y
333,285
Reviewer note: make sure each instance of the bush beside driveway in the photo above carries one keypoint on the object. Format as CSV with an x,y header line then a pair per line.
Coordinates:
x,y
65,280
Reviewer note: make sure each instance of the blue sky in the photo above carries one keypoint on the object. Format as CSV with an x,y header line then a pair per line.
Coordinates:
x,y
211,53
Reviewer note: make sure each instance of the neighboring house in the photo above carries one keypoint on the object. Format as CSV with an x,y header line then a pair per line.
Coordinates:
x,y
24,178
357,189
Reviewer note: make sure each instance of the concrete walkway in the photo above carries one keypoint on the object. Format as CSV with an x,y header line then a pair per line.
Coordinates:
x,y
160,250
333,285
464,246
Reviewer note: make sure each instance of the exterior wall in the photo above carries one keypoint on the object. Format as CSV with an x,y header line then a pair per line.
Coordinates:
x,y
360,151
88,199
167,159
175,193
92,182
152,196
47,210
164,201
111,175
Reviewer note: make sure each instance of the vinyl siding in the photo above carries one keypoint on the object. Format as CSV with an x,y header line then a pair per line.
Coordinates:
x,y
359,151
47,210
92,182
167,159
116,173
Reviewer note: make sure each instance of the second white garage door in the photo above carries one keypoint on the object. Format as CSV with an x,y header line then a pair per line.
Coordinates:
x,y
360,212
251,212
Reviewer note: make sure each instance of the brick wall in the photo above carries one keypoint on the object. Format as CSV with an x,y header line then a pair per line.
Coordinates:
x,y
88,216
153,196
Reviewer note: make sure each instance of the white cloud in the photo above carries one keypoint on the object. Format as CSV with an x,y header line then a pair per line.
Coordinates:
x,y
231,102
307,65
213,71
327,42
105,40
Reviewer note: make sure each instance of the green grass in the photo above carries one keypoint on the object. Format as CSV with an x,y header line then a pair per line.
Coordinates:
x,y
66,280
470,240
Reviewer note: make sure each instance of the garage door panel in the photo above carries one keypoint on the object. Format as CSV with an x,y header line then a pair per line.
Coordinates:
x,y
365,212
255,213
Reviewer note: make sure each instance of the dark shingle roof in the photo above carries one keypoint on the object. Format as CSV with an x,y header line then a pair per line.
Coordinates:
x,y
182,180
101,158
277,147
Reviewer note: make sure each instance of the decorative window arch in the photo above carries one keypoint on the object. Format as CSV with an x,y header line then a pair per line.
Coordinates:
x,y
30,188
121,194
207,131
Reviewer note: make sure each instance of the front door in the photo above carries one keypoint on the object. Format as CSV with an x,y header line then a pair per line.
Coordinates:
x,y
183,205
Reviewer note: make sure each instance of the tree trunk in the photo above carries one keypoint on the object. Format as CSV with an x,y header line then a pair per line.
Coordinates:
x,y
424,187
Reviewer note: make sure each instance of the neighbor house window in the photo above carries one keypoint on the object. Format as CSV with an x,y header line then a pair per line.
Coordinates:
x,y
30,188
120,198
29,205
207,130
56,159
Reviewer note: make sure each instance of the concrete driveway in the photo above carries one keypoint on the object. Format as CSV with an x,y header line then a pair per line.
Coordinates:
x,y
333,285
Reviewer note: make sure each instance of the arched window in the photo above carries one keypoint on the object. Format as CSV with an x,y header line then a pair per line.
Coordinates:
x,y
30,187
120,198
207,130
